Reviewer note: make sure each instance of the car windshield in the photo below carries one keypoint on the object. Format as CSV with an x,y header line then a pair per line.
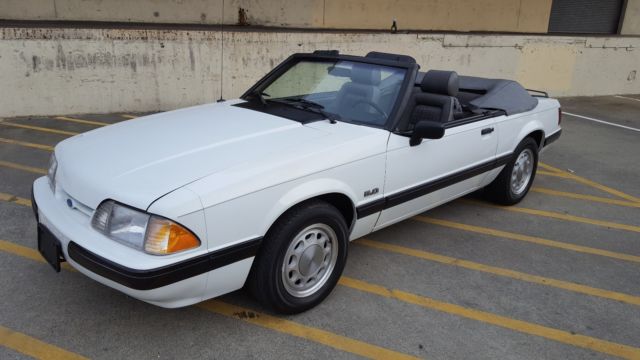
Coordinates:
x,y
340,90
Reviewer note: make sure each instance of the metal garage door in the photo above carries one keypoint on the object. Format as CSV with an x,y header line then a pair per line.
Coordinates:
x,y
585,16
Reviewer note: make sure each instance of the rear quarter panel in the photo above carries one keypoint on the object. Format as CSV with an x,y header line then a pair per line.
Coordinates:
x,y
513,129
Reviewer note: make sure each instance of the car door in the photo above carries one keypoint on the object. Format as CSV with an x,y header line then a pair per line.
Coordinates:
x,y
437,170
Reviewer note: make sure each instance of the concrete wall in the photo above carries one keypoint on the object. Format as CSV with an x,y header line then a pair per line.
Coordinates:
x,y
631,21
64,71
459,15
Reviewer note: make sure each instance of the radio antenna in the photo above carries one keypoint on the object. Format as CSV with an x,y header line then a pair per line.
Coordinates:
x,y
221,53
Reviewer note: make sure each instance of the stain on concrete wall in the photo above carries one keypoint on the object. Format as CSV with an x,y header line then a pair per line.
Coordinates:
x,y
109,70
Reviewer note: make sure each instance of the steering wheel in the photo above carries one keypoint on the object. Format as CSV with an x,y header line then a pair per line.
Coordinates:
x,y
373,105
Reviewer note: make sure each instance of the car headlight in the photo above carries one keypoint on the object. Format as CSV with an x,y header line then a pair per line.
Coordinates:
x,y
145,232
51,172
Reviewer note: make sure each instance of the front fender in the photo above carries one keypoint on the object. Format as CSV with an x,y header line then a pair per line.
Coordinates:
x,y
306,191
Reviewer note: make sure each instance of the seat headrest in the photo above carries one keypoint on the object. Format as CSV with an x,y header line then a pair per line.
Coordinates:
x,y
440,82
365,74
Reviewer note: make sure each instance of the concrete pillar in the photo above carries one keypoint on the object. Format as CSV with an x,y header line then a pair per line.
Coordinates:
x,y
631,20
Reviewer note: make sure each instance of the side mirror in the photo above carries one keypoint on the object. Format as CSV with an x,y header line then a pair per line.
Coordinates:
x,y
426,130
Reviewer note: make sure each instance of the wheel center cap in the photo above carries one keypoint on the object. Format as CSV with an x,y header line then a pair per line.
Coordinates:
x,y
310,260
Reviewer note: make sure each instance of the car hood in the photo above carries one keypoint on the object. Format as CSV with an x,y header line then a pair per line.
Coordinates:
x,y
138,161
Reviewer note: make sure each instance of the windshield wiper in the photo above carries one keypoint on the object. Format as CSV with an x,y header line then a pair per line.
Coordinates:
x,y
313,107
304,101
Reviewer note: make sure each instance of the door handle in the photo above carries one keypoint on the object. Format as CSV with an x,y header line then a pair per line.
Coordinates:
x,y
486,131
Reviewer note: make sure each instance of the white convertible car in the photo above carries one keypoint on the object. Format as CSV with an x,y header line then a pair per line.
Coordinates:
x,y
267,190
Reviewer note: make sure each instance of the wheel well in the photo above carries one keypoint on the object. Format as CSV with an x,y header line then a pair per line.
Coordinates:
x,y
538,136
342,203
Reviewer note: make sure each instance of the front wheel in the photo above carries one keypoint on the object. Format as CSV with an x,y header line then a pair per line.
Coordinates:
x,y
514,181
302,258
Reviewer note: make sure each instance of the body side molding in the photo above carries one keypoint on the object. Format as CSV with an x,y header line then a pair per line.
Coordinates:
x,y
429,187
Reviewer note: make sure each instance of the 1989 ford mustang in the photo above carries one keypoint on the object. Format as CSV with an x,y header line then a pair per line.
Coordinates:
x,y
269,189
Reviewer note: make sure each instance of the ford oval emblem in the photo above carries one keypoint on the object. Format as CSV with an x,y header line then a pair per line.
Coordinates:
x,y
69,203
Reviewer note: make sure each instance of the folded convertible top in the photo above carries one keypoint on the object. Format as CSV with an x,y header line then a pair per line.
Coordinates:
x,y
498,94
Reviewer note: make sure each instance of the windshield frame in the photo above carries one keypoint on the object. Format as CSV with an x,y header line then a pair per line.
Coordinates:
x,y
400,102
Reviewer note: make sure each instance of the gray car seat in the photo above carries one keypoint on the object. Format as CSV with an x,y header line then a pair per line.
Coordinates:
x,y
436,101
352,98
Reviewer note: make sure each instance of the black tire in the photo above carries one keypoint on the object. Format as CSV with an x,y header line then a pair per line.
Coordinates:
x,y
266,278
500,190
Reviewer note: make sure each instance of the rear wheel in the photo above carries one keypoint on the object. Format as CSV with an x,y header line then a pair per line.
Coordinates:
x,y
514,181
302,258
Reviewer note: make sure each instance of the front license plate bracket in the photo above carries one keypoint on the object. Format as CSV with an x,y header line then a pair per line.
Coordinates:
x,y
49,247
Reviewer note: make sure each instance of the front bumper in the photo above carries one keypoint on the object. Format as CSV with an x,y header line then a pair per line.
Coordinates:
x,y
167,281
156,278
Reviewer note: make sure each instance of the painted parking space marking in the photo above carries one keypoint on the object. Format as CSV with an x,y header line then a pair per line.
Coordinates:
x,y
26,144
551,173
28,253
302,331
527,238
372,351
127,116
566,337
288,327
601,121
556,215
81,121
15,166
588,182
585,197
14,199
33,347
626,97
572,218
494,270
37,128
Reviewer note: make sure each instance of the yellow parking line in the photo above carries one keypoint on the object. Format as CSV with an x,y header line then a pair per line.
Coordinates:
x,y
573,218
530,239
14,199
37,128
559,216
373,351
128,116
590,183
517,275
582,341
585,197
28,253
552,169
20,250
33,347
306,332
551,173
32,169
27,144
81,121
264,320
